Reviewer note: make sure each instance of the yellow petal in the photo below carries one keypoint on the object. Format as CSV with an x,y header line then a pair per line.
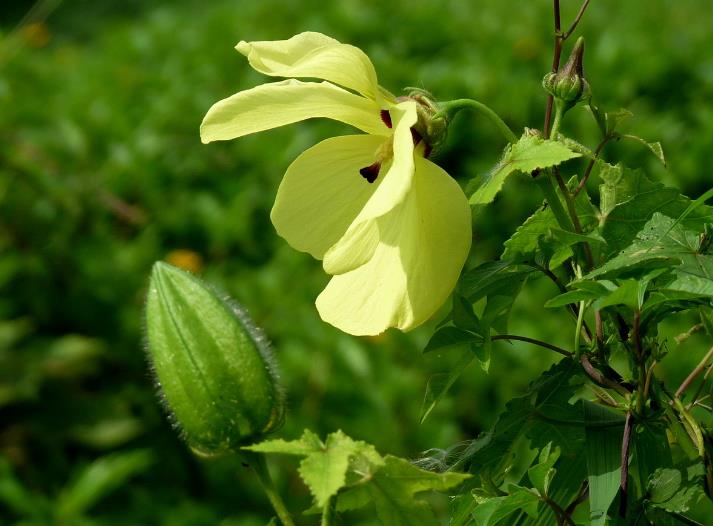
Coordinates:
x,y
322,192
423,244
359,242
279,103
317,56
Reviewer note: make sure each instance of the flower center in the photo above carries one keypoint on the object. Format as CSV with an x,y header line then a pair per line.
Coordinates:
x,y
371,172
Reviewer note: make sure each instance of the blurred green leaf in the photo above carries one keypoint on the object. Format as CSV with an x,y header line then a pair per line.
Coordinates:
x,y
99,479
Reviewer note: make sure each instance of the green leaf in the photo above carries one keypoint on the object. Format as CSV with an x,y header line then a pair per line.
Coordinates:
x,y
675,490
615,118
393,487
324,468
306,445
491,278
629,199
563,488
541,474
528,154
660,243
97,480
627,293
449,338
440,383
651,451
654,147
603,452
541,229
493,510
463,315
541,416
460,509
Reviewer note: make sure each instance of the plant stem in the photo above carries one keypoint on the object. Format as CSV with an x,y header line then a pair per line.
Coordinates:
x,y
698,369
544,181
578,332
547,272
328,512
577,19
641,363
624,484
590,166
533,341
599,378
557,53
450,108
257,462
579,499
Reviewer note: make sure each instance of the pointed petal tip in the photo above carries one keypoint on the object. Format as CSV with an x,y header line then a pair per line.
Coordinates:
x,y
243,47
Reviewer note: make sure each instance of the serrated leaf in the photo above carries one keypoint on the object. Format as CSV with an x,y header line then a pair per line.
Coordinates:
x,y
306,445
528,154
324,468
493,510
325,472
393,489
603,452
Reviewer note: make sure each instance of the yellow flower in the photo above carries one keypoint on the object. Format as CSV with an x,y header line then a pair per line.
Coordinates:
x,y
392,228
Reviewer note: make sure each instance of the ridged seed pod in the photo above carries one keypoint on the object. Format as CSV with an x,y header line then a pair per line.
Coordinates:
x,y
214,368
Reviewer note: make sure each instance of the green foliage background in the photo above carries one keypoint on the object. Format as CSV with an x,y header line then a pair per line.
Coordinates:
x,y
102,172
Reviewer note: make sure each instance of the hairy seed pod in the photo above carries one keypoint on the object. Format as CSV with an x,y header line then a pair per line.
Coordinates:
x,y
212,365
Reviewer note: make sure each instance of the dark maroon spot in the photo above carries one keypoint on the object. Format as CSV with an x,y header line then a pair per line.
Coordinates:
x,y
386,117
427,150
370,173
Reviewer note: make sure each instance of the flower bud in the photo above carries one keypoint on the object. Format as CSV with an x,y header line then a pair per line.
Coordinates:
x,y
569,85
212,365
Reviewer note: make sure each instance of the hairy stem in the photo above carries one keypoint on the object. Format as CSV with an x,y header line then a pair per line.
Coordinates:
x,y
450,108
257,462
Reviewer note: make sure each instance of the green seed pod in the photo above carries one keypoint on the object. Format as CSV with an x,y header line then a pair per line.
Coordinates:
x,y
213,367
